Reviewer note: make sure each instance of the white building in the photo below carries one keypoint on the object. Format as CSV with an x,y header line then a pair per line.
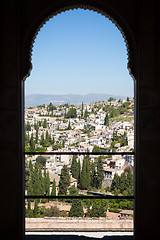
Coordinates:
x,y
109,173
117,162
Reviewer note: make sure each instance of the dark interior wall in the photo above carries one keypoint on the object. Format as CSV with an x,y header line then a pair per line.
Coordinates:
x,y
140,22
10,135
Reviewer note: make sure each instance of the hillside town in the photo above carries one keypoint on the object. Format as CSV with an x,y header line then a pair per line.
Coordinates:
x,y
106,126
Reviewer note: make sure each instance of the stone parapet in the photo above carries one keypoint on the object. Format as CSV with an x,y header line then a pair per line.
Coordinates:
x,y
78,224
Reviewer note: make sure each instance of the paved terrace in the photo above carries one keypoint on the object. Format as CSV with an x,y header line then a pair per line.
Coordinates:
x,y
78,224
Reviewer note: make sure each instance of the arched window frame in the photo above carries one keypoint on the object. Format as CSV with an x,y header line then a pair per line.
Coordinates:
x,y
108,13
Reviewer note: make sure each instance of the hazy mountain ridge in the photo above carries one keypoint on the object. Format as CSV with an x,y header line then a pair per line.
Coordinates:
x,y
38,99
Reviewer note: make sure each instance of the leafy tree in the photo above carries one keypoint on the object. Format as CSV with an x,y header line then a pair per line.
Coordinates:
x,y
27,148
51,107
55,147
41,160
64,181
123,184
76,209
52,212
111,99
73,191
72,113
40,149
97,209
96,149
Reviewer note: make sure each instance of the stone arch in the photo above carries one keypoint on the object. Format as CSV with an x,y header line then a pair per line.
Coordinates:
x,y
50,12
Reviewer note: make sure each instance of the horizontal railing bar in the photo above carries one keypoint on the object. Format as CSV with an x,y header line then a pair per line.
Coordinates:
x,y
80,153
79,197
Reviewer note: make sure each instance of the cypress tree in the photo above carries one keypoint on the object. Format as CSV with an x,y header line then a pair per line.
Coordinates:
x,y
124,140
36,134
76,209
35,177
122,182
35,211
97,209
64,181
69,126
32,143
86,113
30,167
52,140
30,187
82,111
47,136
106,120
53,193
87,172
100,174
83,175
93,177
29,204
79,172
74,167
40,181
47,184
42,142
28,127
115,182
129,182
45,123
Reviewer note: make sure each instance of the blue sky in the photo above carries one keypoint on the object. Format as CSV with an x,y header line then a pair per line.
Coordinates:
x,y
79,52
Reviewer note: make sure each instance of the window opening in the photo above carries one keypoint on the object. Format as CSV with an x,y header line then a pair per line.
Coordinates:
x,y
79,148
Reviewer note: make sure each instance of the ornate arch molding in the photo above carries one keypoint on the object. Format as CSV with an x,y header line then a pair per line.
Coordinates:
x,y
51,12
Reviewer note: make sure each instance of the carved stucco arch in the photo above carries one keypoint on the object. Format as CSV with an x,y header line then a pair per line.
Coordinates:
x,y
51,12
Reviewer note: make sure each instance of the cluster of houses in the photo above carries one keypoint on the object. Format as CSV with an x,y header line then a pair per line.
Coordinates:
x,y
82,136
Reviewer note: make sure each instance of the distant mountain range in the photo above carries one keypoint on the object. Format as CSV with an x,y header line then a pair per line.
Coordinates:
x,y
38,99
